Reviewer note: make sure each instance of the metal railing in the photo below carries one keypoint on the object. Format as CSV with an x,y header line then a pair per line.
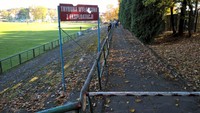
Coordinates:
x,y
97,67
85,105
22,57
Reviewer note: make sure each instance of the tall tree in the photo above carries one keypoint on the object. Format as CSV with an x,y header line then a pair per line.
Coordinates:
x,y
23,13
196,14
52,13
172,19
111,13
171,5
5,14
39,12
122,11
191,19
146,21
182,17
127,18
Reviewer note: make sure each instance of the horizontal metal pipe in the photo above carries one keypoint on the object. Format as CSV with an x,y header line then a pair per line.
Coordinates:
x,y
63,108
137,93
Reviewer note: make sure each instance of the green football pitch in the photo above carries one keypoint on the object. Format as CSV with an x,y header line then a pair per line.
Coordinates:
x,y
18,37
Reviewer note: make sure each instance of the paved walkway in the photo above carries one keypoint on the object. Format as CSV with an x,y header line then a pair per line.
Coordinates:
x,y
132,67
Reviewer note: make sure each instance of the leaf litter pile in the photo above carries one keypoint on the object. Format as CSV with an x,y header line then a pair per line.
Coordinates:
x,y
183,54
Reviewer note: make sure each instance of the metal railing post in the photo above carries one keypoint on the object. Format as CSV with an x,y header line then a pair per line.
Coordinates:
x,y
1,69
20,59
49,46
44,47
27,55
104,55
52,45
99,72
10,63
39,50
33,53
58,42
90,104
108,49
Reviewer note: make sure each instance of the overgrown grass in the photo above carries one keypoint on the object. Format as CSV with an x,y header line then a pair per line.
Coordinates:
x,y
17,37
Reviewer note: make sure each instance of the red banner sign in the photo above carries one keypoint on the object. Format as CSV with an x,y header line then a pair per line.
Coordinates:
x,y
68,12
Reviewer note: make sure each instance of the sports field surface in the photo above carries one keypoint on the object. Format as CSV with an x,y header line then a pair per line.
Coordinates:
x,y
18,37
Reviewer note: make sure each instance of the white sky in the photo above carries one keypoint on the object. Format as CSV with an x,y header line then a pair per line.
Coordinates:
x,y
7,4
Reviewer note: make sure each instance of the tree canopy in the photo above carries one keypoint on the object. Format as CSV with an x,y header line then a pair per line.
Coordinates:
x,y
39,12
111,13
23,13
145,18
33,13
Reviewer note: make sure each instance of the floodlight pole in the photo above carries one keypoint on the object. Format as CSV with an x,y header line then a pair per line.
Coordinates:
x,y
61,51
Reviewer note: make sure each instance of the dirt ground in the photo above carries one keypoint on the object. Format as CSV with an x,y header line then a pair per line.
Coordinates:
x,y
183,54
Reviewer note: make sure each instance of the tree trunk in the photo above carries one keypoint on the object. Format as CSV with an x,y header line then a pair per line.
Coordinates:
x,y
182,18
191,22
172,20
196,15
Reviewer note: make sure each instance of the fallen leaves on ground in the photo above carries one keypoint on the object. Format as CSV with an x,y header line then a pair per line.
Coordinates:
x,y
183,54
132,110
138,100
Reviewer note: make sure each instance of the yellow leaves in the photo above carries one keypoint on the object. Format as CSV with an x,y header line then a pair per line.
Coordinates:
x,y
111,13
132,110
108,101
4,91
33,79
177,105
94,104
17,85
177,101
126,81
106,105
138,100
182,55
